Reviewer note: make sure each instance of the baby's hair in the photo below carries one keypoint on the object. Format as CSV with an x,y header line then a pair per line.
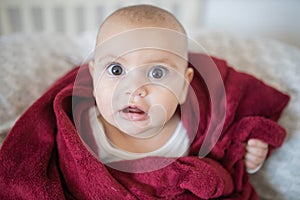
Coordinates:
x,y
147,15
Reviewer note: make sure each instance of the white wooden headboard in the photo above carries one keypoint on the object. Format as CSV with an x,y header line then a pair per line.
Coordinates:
x,y
77,16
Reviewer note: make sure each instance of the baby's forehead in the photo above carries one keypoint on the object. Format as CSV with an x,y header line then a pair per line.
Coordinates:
x,y
153,39
145,55
122,21
138,31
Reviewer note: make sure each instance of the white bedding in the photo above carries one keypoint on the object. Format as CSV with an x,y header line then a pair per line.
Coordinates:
x,y
30,63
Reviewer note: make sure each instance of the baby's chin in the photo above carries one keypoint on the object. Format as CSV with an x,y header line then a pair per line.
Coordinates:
x,y
140,131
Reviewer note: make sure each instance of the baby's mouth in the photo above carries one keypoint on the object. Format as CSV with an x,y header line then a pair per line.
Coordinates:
x,y
134,113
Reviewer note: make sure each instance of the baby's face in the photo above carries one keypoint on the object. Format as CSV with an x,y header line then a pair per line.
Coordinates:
x,y
139,83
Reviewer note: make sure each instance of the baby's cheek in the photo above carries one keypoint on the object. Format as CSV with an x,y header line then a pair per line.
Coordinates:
x,y
169,101
103,97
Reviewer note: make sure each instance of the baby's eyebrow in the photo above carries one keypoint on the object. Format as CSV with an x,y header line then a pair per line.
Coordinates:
x,y
108,57
163,60
171,63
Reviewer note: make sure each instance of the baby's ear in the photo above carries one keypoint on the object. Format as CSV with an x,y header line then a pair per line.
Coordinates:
x,y
189,74
91,67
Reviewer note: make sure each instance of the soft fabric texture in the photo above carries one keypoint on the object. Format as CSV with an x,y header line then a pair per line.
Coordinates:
x,y
29,64
43,157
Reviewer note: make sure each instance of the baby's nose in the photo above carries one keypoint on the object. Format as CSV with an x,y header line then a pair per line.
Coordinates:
x,y
140,92
135,85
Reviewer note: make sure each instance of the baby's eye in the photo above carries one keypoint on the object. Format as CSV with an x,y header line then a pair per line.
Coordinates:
x,y
115,69
158,72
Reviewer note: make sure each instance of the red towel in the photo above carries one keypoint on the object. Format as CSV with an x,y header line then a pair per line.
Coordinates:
x,y
43,157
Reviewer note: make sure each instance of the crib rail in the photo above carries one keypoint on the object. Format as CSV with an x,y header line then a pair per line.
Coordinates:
x,y
76,16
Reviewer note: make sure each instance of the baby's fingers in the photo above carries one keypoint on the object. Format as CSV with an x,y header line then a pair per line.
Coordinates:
x,y
250,166
255,160
257,143
257,151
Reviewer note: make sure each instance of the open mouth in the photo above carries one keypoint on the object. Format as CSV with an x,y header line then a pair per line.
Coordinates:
x,y
134,113
133,109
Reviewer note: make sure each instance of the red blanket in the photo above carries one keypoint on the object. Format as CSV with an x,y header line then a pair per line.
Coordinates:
x,y
43,157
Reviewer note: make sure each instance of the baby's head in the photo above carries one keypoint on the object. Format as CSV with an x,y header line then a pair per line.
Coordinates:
x,y
138,16
140,72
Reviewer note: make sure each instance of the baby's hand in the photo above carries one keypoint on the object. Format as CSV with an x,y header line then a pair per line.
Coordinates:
x,y
256,153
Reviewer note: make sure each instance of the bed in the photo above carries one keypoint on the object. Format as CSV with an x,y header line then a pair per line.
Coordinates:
x,y
42,40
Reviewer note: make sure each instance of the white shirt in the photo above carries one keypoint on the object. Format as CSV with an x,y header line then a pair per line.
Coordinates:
x,y
176,146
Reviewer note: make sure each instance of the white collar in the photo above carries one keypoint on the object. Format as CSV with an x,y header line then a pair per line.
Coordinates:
x,y
176,146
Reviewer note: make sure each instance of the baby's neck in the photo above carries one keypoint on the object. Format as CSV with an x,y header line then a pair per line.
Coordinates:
x,y
140,145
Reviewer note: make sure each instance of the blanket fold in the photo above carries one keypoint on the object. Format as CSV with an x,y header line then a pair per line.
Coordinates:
x,y
45,157
202,178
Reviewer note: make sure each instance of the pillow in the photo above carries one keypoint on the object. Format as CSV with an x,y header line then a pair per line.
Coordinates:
x,y
29,64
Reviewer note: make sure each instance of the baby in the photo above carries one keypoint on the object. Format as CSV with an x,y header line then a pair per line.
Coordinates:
x,y
137,106
140,78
